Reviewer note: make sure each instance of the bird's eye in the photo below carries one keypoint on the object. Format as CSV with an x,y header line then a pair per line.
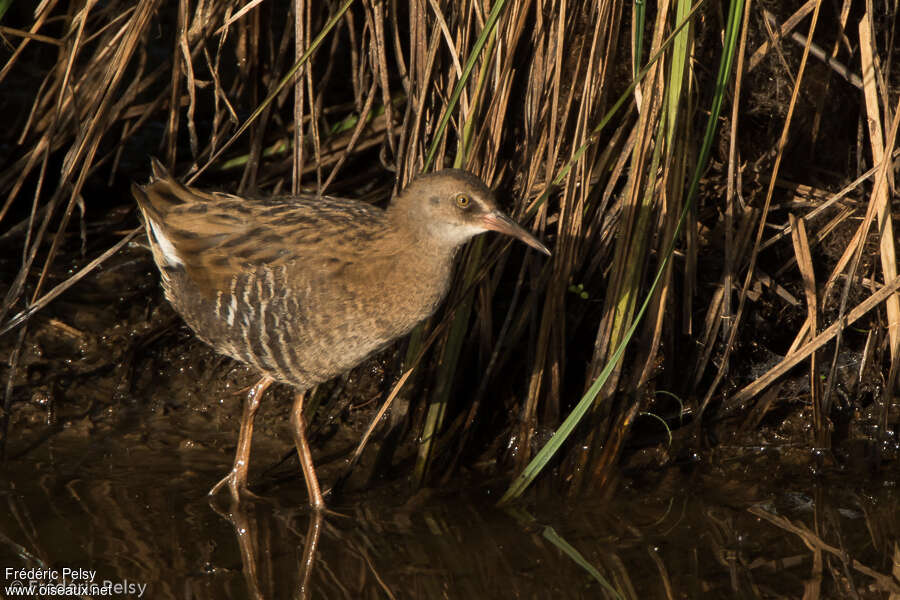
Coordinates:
x,y
463,201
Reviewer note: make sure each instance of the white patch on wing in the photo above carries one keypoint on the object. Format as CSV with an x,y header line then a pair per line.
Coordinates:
x,y
165,245
232,305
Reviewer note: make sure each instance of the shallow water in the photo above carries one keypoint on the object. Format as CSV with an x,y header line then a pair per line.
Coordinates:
x,y
129,502
122,422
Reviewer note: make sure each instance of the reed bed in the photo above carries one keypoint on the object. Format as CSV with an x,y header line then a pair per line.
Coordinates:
x,y
715,182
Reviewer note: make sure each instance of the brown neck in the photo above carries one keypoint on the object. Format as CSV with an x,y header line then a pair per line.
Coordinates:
x,y
412,232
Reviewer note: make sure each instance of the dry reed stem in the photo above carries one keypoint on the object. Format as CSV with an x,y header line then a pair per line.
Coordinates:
x,y
807,272
820,340
782,142
544,81
887,253
883,581
732,209
788,26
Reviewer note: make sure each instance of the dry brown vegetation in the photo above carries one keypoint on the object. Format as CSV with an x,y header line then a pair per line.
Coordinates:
x,y
775,316
723,283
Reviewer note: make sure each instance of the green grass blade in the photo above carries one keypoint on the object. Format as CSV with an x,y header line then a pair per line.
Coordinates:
x,y
626,95
4,6
543,457
638,18
288,78
460,85
554,538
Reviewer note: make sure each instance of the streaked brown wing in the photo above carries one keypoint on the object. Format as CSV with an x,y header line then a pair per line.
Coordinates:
x,y
214,236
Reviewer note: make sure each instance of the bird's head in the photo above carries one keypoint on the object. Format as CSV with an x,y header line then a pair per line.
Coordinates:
x,y
451,206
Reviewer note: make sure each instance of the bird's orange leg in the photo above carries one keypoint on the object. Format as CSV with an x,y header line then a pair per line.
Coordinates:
x,y
316,501
236,480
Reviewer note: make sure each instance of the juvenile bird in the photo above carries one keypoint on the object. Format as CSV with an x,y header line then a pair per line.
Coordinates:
x,y
303,288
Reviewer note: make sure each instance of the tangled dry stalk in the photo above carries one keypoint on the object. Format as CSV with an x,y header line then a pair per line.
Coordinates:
x,y
357,97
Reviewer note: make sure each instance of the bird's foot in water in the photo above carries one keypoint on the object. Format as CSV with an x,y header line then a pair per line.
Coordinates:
x,y
237,485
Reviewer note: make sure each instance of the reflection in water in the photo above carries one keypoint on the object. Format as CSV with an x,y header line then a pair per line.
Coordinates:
x,y
243,518
309,552
84,505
